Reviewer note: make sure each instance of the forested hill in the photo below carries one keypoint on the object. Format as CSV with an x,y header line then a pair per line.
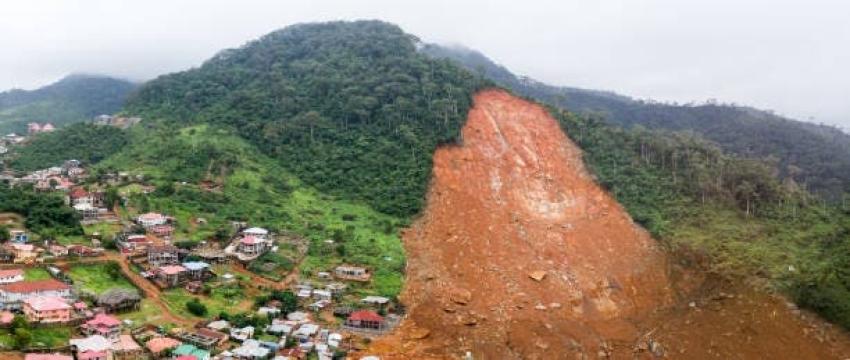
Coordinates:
x,y
72,99
814,155
349,107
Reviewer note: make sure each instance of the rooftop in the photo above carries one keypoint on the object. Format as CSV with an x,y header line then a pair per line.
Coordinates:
x,y
33,286
172,269
47,303
157,345
11,272
55,356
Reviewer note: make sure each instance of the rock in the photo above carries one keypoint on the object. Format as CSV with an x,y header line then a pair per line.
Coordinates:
x,y
538,275
461,296
540,307
555,305
417,333
468,319
656,348
692,304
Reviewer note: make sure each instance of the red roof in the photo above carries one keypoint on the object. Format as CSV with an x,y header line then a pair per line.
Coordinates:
x,y
365,315
33,286
11,273
172,269
248,240
86,355
103,320
78,193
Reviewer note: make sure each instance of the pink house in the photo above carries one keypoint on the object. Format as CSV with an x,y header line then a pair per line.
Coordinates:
x,y
171,275
11,275
56,356
103,325
46,309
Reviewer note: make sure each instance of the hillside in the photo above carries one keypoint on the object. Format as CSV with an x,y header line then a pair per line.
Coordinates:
x,y
251,187
334,102
335,130
816,156
72,99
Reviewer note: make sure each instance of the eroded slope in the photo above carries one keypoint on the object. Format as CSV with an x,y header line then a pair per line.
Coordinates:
x,y
520,255
511,204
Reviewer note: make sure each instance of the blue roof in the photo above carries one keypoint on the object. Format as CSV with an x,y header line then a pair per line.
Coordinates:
x,y
195,265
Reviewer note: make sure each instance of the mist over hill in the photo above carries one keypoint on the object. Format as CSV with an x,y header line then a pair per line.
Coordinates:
x,y
74,98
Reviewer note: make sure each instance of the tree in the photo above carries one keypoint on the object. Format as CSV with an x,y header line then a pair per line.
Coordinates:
x,y
196,307
23,337
289,302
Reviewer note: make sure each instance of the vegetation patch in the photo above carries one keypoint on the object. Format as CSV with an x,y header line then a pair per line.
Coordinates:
x,y
97,278
36,273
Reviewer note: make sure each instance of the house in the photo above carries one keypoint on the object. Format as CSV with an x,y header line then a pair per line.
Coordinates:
x,y
319,305
365,319
251,246
355,273
164,231
46,309
194,287
219,325
126,348
79,196
24,253
203,337
54,356
306,331
133,243
322,294
257,232
103,325
250,349
57,250
114,300
171,275
280,328
159,345
379,301
197,270
242,334
293,353
87,212
335,340
18,236
191,350
11,275
94,347
336,288
267,310
151,219
6,254
11,295
161,255
84,251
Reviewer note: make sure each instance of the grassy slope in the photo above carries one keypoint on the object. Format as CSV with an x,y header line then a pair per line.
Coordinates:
x,y
257,189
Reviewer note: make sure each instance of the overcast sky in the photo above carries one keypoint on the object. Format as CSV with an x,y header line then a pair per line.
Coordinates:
x,y
789,56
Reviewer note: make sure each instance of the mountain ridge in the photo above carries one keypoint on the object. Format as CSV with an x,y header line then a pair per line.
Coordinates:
x,y
74,98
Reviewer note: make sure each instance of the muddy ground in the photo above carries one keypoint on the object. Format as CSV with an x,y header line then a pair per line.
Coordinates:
x,y
521,255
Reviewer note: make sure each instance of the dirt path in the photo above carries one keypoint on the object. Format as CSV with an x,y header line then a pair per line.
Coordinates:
x,y
149,289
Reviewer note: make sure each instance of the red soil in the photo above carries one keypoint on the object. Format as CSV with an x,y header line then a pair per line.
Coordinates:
x,y
521,255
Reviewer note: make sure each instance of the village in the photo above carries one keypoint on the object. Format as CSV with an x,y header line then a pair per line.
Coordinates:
x,y
133,288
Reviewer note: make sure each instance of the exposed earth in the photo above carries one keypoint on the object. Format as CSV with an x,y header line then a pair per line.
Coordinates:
x,y
521,255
